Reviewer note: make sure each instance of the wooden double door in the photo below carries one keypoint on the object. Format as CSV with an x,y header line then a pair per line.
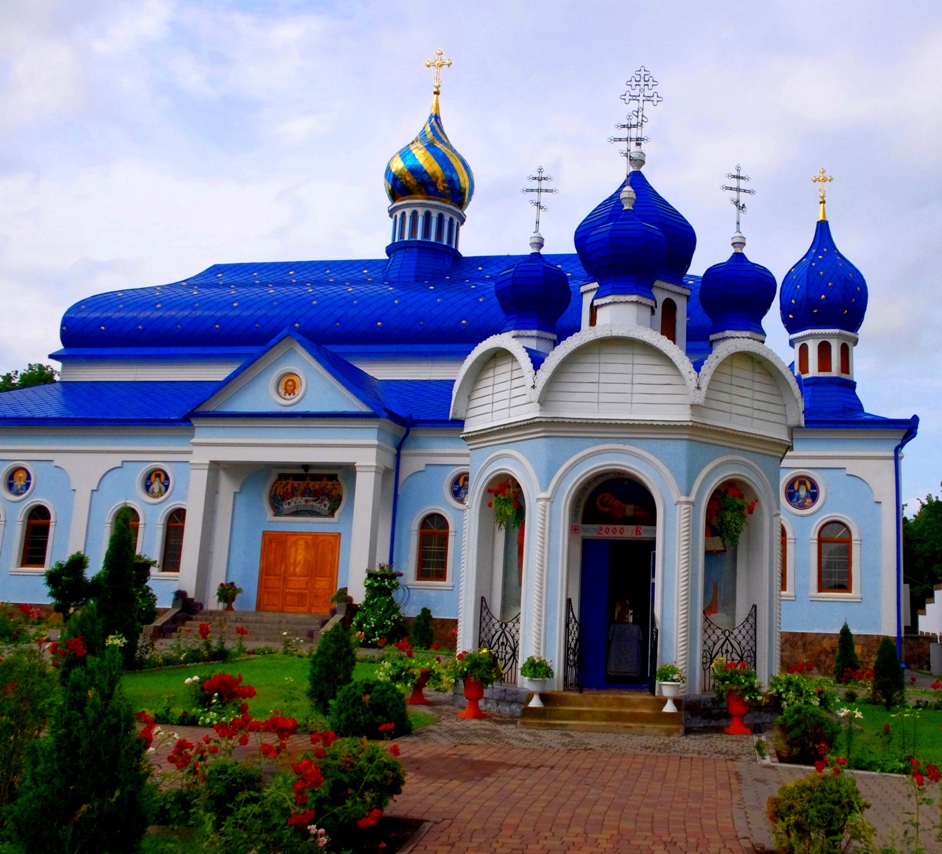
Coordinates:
x,y
297,572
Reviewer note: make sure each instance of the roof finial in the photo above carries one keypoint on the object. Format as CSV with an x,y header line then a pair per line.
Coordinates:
x,y
536,241
438,64
739,242
822,178
641,90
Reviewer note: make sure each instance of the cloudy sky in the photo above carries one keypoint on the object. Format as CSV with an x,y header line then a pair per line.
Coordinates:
x,y
141,142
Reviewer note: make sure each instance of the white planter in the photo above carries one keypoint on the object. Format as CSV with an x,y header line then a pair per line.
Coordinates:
x,y
670,690
536,685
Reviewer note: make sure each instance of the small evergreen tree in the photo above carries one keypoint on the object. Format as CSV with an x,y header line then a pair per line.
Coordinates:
x,y
846,657
889,686
68,585
379,617
86,781
422,634
331,666
86,624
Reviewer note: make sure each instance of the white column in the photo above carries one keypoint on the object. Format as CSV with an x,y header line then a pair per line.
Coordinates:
x,y
684,518
365,534
229,480
535,644
197,533
464,583
776,593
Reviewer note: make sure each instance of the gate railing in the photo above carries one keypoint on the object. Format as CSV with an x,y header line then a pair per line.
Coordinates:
x,y
652,655
572,678
738,644
502,637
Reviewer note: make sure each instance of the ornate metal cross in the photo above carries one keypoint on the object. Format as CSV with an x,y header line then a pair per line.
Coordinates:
x,y
738,177
642,89
539,189
822,178
635,121
438,64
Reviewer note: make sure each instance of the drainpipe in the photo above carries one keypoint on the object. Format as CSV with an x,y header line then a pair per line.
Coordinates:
x,y
907,437
392,534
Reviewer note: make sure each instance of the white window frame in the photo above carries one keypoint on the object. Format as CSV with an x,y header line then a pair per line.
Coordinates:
x,y
157,571
789,592
449,582
18,540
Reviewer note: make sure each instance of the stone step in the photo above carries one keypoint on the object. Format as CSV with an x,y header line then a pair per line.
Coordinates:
x,y
639,700
604,711
618,716
665,729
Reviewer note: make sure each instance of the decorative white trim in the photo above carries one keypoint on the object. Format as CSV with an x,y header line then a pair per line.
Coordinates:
x,y
411,575
161,534
855,592
25,510
142,477
614,299
743,334
476,360
275,382
680,290
6,473
789,592
809,334
822,491
449,479
596,333
418,204
295,469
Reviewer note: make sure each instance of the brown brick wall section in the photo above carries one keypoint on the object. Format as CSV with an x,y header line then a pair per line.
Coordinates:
x,y
443,628
818,648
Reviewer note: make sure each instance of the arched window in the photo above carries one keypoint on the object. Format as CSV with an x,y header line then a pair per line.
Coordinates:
x,y
669,320
402,225
36,538
834,556
824,357
783,568
593,314
845,358
433,549
413,225
426,226
451,230
173,541
439,228
803,359
135,526
393,238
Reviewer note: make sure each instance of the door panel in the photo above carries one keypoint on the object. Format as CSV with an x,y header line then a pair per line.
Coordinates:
x,y
297,571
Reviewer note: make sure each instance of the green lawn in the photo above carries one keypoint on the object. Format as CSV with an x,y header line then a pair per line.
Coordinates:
x,y
916,732
280,682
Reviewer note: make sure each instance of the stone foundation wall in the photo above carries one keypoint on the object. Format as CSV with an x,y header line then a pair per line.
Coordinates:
x,y
819,649
500,698
444,629
704,713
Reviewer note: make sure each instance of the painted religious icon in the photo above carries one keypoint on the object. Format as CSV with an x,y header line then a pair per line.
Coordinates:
x,y
802,492
289,386
315,494
619,501
156,483
19,480
459,488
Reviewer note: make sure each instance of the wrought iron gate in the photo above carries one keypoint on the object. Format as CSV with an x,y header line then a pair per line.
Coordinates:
x,y
502,637
572,678
738,644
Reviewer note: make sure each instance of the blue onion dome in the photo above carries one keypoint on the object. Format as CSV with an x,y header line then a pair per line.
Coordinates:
x,y
620,251
823,290
652,209
533,294
737,293
429,167
699,324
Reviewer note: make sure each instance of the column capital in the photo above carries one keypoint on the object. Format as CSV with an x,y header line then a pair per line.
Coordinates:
x,y
369,468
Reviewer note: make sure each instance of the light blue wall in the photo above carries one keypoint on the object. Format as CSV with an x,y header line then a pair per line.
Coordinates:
x,y
250,519
51,486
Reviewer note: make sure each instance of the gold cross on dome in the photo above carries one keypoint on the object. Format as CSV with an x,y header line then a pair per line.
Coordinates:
x,y
438,64
822,178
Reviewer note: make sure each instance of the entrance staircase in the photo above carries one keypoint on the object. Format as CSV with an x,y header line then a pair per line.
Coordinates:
x,y
634,712
266,628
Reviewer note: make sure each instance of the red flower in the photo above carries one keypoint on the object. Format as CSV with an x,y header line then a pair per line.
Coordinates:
x,y
382,641
820,765
936,685
301,819
371,819
386,727
241,630
886,727
204,630
394,750
434,646
76,646
920,780
841,760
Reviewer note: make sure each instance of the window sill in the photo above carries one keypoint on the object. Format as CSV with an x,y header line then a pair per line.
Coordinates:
x,y
430,585
165,575
28,570
787,597
835,597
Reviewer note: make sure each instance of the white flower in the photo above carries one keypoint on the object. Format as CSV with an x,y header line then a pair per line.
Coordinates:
x,y
857,714
843,713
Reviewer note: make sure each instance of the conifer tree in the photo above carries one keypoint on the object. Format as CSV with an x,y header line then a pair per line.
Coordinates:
x,y
889,686
846,657
332,666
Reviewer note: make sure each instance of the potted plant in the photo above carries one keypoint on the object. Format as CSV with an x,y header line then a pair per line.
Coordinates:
x,y
508,509
226,594
669,679
477,670
411,673
726,514
537,670
340,600
737,683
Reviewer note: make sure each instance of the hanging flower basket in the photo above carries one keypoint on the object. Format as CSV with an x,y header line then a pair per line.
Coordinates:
x,y
726,517
508,508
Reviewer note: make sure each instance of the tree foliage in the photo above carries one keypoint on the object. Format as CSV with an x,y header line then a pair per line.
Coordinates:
x,y
68,585
846,657
922,550
32,374
889,686
332,666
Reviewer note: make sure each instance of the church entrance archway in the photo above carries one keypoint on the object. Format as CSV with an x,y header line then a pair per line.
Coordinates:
x,y
616,598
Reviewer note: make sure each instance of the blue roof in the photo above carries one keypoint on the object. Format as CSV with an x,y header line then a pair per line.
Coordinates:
x,y
833,402
344,303
823,290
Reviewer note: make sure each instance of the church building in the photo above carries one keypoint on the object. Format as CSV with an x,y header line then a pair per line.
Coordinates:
x,y
591,456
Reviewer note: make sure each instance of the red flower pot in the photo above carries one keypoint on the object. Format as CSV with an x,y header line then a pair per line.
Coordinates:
x,y
229,607
737,708
473,693
417,698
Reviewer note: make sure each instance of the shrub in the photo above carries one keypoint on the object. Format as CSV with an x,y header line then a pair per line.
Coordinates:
x,y
379,617
27,687
86,624
482,666
796,688
86,782
371,709
817,814
846,657
806,733
331,666
229,785
68,586
422,634
536,667
889,685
